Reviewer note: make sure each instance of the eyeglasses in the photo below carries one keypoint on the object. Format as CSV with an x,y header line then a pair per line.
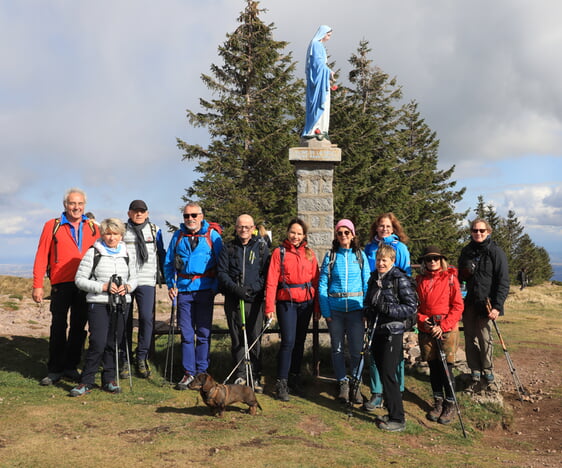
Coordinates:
x,y
343,233
244,228
481,231
433,259
191,215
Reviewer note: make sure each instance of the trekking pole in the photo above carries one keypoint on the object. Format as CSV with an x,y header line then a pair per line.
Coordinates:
x,y
443,357
248,363
368,337
113,308
170,344
518,385
122,301
265,327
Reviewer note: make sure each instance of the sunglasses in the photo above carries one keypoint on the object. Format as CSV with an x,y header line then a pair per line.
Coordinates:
x,y
433,259
190,215
343,233
481,231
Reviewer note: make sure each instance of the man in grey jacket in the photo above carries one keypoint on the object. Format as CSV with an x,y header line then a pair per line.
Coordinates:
x,y
144,240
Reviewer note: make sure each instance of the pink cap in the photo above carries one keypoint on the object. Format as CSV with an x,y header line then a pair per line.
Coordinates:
x,y
346,223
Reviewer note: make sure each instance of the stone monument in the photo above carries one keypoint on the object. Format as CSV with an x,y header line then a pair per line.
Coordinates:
x,y
314,162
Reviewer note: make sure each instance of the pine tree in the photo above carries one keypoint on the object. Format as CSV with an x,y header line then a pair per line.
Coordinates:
x,y
389,160
363,119
426,194
252,121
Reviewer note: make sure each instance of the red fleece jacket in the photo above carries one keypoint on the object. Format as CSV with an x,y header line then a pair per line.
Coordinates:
x,y
63,268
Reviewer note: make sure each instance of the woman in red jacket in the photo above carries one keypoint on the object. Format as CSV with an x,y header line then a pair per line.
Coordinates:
x,y
292,281
439,312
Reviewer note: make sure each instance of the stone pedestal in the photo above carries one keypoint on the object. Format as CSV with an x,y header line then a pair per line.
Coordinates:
x,y
314,162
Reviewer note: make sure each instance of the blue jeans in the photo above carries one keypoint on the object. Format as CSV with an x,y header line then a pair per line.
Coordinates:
x,y
293,318
195,318
344,324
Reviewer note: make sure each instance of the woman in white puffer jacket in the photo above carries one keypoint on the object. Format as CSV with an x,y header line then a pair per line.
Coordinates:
x,y
108,275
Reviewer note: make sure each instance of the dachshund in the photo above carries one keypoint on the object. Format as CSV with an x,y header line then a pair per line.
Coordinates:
x,y
217,396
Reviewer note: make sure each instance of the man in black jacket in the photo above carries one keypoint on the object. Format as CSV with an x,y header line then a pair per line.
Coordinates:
x,y
242,270
483,266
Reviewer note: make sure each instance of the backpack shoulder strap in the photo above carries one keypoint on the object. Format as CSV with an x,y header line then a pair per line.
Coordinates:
x,y
97,257
359,256
331,264
56,227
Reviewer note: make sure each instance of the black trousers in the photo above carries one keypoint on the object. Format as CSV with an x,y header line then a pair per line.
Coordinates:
x,y
254,325
106,330
65,351
387,350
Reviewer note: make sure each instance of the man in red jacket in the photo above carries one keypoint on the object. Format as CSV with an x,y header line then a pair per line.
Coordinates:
x,y
62,245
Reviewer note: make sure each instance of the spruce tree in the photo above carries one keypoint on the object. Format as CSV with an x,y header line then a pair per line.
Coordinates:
x,y
427,196
252,120
363,119
389,160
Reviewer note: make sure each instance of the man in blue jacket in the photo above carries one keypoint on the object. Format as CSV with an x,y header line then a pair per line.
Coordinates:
x,y
191,275
242,270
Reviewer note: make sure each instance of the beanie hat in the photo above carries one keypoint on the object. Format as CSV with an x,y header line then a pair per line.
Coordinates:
x,y
346,223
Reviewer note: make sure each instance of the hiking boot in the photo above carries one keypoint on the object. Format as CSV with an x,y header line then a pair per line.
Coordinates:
x,y
183,384
392,426
295,385
474,387
436,411
448,412
72,374
281,389
80,390
111,387
374,402
124,371
258,386
343,394
240,381
143,370
383,418
357,398
52,378
490,384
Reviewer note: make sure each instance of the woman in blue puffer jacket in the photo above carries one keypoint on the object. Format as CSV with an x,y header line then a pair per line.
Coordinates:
x,y
343,283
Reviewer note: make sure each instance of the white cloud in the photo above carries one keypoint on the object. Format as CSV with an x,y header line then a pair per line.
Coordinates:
x,y
94,93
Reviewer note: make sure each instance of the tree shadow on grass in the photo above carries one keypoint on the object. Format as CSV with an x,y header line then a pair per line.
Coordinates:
x,y
24,355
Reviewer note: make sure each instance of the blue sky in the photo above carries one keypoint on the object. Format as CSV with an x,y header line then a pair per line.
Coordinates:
x,y
93,94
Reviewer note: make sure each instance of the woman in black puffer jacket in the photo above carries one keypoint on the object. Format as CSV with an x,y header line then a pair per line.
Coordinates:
x,y
392,302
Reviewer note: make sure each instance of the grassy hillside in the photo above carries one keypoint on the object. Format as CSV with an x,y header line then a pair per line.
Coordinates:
x,y
155,425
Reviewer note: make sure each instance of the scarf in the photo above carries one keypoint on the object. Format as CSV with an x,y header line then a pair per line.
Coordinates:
x,y
140,244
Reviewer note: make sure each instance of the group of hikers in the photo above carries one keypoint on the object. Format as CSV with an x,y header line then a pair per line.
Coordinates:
x,y
97,271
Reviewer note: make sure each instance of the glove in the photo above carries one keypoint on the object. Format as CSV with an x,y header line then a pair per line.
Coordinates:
x,y
382,308
240,292
368,313
248,293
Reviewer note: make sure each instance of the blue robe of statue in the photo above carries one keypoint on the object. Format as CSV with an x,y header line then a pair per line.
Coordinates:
x,y
317,81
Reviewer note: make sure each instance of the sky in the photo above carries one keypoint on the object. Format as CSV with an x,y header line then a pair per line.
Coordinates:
x,y
94,95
